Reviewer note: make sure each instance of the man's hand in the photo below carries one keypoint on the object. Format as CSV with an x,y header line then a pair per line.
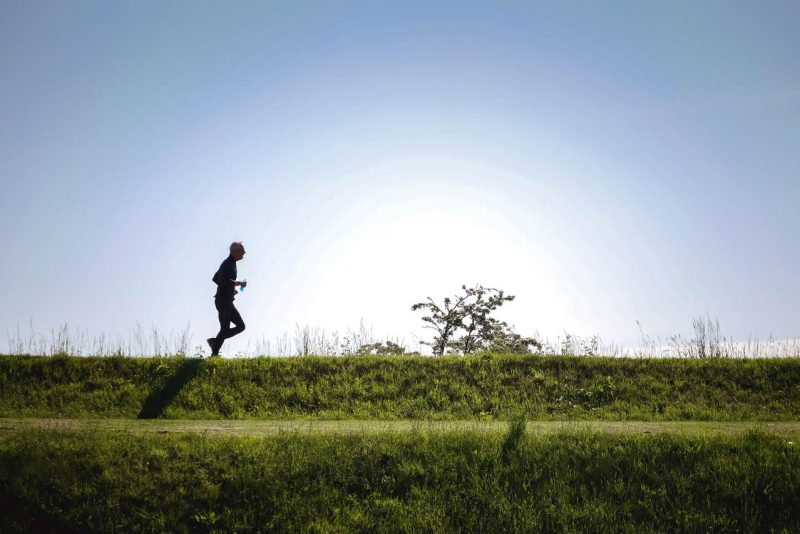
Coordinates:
x,y
242,283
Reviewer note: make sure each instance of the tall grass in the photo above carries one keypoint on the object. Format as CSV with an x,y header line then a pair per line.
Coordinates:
x,y
70,341
305,340
308,340
707,342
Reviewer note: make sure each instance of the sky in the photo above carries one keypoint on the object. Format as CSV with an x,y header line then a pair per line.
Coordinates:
x,y
604,162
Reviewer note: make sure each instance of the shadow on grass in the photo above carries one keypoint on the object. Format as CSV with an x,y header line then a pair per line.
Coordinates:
x,y
159,399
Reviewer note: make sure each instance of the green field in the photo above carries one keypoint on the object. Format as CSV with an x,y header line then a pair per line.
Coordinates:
x,y
485,443
398,481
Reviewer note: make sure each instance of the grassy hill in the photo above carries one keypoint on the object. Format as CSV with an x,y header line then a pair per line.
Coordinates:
x,y
447,388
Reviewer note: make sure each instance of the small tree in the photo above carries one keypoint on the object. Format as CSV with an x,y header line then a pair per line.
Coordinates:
x,y
445,320
479,328
389,348
505,340
470,312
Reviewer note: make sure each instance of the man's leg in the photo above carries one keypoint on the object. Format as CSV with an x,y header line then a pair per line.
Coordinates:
x,y
223,314
216,342
228,314
237,320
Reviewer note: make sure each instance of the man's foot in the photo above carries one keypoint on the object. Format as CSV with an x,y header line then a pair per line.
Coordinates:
x,y
212,342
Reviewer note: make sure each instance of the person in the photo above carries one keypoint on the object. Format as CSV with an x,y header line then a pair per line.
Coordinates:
x,y
226,281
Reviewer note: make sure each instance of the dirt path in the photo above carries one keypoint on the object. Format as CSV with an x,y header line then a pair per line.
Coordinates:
x,y
259,427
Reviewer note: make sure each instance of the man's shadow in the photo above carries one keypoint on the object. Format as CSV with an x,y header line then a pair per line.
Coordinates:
x,y
158,400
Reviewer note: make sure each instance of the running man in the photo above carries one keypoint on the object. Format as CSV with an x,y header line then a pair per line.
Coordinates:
x,y
226,281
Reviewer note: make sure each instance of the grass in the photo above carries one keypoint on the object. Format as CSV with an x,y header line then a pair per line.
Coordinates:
x,y
482,387
406,482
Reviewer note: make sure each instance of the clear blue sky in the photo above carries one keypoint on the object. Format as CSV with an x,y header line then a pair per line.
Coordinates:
x,y
606,162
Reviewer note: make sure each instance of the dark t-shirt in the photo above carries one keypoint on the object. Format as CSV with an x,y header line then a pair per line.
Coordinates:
x,y
224,278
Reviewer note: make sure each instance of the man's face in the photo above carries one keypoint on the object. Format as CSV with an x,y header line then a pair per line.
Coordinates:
x,y
238,253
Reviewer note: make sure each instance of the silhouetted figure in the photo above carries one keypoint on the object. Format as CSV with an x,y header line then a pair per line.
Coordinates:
x,y
226,281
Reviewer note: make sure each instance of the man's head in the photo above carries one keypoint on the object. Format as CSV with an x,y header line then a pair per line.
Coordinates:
x,y
237,250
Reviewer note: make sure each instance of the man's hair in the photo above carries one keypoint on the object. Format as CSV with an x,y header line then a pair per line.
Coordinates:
x,y
235,245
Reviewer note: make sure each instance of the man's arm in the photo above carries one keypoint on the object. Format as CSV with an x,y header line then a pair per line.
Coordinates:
x,y
230,277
